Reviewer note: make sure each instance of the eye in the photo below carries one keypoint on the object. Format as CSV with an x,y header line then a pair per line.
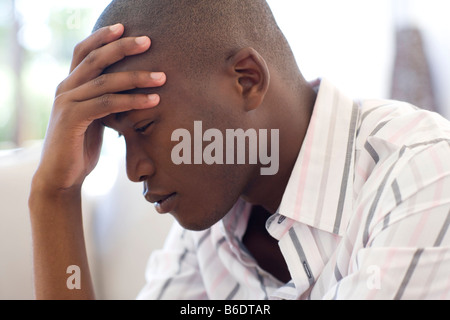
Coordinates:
x,y
143,129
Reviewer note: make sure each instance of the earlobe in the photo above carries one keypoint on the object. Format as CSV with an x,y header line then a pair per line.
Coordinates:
x,y
252,76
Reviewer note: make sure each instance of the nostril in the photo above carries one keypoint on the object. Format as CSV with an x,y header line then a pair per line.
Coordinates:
x,y
139,166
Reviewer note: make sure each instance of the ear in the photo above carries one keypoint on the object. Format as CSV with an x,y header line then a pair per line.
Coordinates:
x,y
252,76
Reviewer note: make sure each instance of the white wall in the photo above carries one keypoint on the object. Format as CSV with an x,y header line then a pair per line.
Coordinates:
x,y
351,42
330,40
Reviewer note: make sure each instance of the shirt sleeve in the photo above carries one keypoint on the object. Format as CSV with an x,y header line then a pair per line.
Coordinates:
x,y
407,254
173,273
399,270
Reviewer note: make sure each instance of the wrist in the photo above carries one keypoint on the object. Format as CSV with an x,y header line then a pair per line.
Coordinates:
x,y
45,196
47,186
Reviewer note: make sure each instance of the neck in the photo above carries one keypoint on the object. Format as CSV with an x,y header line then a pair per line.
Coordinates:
x,y
268,191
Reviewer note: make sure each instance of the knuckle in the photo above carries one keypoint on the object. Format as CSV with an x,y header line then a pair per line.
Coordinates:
x,y
60,88
59,101
99,81
78,48
91,57
105,101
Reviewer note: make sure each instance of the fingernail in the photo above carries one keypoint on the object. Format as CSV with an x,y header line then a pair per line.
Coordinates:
x,y
142,40
153,97
115,28
156,75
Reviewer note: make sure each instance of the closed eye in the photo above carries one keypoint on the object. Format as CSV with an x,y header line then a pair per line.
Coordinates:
x,y
144,128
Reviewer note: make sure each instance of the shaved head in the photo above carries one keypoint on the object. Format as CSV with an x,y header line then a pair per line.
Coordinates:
x,y
200,34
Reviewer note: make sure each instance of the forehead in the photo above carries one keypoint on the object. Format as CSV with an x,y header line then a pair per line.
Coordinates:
x,y
173,92
146,63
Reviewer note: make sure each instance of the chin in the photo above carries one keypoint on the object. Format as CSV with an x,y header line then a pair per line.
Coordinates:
x,y
197,221
199,213
196,224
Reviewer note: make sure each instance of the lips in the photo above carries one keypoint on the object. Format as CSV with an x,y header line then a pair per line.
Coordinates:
x,y
154,198
163,203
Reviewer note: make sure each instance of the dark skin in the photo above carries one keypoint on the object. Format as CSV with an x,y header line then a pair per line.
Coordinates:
x,y
244,92
243,99
263,247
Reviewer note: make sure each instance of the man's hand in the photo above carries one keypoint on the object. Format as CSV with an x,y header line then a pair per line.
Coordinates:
x,y
74,135
71,151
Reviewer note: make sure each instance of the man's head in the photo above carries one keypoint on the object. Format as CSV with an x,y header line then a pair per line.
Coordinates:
x,y
227,65
198,34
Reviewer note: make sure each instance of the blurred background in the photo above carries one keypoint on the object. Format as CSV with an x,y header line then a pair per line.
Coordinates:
x,y
394,49
353,43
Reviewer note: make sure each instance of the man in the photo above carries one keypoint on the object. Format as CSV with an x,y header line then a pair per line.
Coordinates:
x,y
358,207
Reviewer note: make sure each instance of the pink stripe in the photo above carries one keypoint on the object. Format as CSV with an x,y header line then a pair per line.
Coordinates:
x,y
421,225
362,173
437,195
406,129
219,279
307,149
288,227
419,229
234,217
209,261
445,294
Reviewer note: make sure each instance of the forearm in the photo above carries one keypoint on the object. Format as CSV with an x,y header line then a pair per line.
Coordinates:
x,y
58,243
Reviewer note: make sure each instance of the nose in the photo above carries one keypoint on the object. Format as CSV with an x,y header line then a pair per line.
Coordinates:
x,y
139,165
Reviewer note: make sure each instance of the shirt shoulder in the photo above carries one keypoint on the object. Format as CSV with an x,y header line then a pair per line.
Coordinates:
x,y
399,124
391,135
400,168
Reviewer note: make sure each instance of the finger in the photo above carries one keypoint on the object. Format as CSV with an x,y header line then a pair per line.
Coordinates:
x,y
108,104
96,40
118,82
99,59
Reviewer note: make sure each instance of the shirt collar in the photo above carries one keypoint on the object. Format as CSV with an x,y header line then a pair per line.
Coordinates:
x,y
320,190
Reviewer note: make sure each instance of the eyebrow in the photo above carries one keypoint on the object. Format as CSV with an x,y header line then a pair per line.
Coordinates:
x,y
121,115
118,117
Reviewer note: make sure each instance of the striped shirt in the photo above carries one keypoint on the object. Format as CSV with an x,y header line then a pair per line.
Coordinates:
x,y
365,215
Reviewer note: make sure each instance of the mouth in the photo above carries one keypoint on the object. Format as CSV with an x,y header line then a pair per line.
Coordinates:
x,y
163,204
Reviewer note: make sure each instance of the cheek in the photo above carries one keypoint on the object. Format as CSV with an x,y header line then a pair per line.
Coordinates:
x,y
206,193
